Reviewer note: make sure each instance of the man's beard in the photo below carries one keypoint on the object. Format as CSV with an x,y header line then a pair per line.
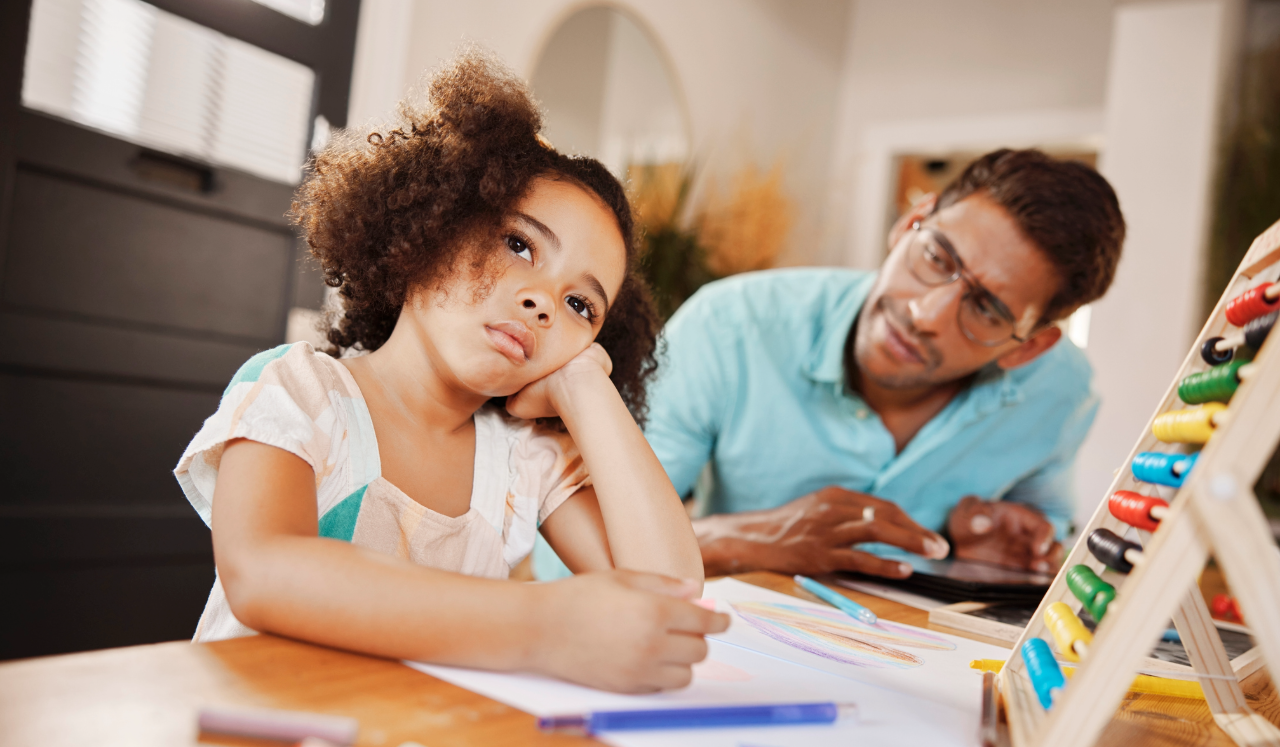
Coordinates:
x,y
884,306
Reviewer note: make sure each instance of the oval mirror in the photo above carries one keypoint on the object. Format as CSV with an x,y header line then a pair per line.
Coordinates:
x,y
608,92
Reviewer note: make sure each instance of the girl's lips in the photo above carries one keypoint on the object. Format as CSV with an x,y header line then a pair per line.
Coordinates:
x,y
512,339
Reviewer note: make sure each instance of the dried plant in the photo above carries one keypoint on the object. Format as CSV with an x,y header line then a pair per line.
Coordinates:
x,y
672,260
747,228
743,230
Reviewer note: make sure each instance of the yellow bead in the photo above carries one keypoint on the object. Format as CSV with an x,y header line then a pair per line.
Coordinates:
x,y
1066,629
1190,426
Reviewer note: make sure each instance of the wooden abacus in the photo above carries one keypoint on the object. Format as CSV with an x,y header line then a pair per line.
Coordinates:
x,y
1213,511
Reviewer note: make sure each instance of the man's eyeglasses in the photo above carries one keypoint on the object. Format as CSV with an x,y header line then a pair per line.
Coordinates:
x,y
934,262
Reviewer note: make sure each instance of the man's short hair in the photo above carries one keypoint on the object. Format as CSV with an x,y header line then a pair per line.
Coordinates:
x,y
1064,207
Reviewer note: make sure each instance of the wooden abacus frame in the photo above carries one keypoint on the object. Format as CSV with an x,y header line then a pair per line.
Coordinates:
x,y
1215,511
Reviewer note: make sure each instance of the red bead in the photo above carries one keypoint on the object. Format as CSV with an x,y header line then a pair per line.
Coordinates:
x,y
1225,607
1135,509
1250,305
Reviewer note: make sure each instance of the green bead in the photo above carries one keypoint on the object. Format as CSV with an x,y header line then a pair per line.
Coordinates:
x,y
1094,593
1102,600
1215,385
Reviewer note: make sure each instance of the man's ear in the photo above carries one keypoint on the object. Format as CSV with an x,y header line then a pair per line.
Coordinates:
x,y
918,212
1033,348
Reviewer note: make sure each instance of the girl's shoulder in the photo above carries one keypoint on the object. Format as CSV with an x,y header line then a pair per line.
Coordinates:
x,y
307,375
295,399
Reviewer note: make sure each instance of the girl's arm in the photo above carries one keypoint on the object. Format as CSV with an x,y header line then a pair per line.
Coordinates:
x,y
645,524
279,577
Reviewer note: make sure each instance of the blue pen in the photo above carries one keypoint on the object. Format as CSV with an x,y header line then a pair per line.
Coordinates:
x,y
839,601
694,718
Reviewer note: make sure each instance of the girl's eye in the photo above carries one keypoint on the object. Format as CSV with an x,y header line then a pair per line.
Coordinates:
x,y
581,307
520,248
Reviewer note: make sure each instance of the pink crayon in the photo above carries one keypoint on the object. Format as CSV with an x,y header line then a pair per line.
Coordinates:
x,y
286,726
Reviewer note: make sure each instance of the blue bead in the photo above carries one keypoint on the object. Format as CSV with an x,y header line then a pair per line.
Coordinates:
x,y
1046,675
1157,468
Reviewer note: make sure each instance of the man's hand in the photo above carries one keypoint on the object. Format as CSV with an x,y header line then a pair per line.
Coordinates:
x,y
813,535
1004,533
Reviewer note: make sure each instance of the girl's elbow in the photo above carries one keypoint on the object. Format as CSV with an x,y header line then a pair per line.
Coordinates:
x,y
242,587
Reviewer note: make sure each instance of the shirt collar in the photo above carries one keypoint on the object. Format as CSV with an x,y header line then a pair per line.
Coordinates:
x,y
826,356
992,388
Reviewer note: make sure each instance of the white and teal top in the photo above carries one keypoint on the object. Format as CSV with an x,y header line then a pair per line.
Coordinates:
x,y
308,404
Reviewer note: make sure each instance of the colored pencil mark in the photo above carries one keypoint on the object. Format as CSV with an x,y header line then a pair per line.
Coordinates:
x,y
834,635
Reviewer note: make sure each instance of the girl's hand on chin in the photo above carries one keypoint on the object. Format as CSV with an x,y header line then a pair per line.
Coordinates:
x,y
538,399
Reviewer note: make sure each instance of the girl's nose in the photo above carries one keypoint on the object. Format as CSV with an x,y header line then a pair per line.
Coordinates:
x,y
539,305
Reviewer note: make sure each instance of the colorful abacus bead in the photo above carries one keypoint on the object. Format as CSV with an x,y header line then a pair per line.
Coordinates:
x,y
1163,469
1217,384
1190,426
1252,304
1218,350
1042,668
1115,552
1226,607
1072,636
1094,593
1135,509
1212,355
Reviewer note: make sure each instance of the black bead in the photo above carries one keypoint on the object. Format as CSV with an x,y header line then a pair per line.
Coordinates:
x,y
1213,357
1110,548
1256,331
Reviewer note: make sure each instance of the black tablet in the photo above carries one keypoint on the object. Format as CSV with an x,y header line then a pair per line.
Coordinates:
x,y
964,580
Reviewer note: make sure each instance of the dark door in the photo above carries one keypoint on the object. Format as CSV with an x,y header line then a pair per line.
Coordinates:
x,y
133,282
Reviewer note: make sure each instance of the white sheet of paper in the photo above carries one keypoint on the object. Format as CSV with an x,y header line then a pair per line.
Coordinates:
x,y
921,663
733,675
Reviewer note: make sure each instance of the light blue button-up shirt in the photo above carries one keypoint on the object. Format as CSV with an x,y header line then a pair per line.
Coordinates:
x,y
753,381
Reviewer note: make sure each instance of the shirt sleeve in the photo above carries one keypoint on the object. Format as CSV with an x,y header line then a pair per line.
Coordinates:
x,y
549,467
279,397
1050,489
691,395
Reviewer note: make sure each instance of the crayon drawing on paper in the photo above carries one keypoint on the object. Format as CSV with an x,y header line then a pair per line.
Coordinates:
x,y
834,635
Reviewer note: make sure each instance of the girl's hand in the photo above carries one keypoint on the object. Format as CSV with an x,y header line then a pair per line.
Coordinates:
x,y
622,631
542,398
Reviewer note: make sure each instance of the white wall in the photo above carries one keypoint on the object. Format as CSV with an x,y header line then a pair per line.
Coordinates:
x,y
570,78
759,76
972,74
1164,96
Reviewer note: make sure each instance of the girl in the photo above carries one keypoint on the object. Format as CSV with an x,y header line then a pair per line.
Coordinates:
x,y
378,502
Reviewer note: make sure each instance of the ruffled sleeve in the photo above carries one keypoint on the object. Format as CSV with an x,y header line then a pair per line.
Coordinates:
x,y
289,397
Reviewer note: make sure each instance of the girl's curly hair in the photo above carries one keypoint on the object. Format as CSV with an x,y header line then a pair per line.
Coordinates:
x,y
409,207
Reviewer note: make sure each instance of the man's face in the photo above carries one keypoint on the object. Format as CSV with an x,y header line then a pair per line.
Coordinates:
x,y
909,335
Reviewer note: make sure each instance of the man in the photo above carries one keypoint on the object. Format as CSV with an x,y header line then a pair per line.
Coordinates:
x,y
838,407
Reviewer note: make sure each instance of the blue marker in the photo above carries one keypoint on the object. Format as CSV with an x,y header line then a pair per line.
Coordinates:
x,y
839,601
694,718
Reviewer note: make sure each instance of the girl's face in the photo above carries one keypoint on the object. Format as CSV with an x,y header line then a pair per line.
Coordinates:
x,y
564,264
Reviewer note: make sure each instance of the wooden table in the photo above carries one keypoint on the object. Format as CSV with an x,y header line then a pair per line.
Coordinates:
x,y
149,695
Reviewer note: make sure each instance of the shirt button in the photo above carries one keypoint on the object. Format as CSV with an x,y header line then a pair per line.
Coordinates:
x,y
861,413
